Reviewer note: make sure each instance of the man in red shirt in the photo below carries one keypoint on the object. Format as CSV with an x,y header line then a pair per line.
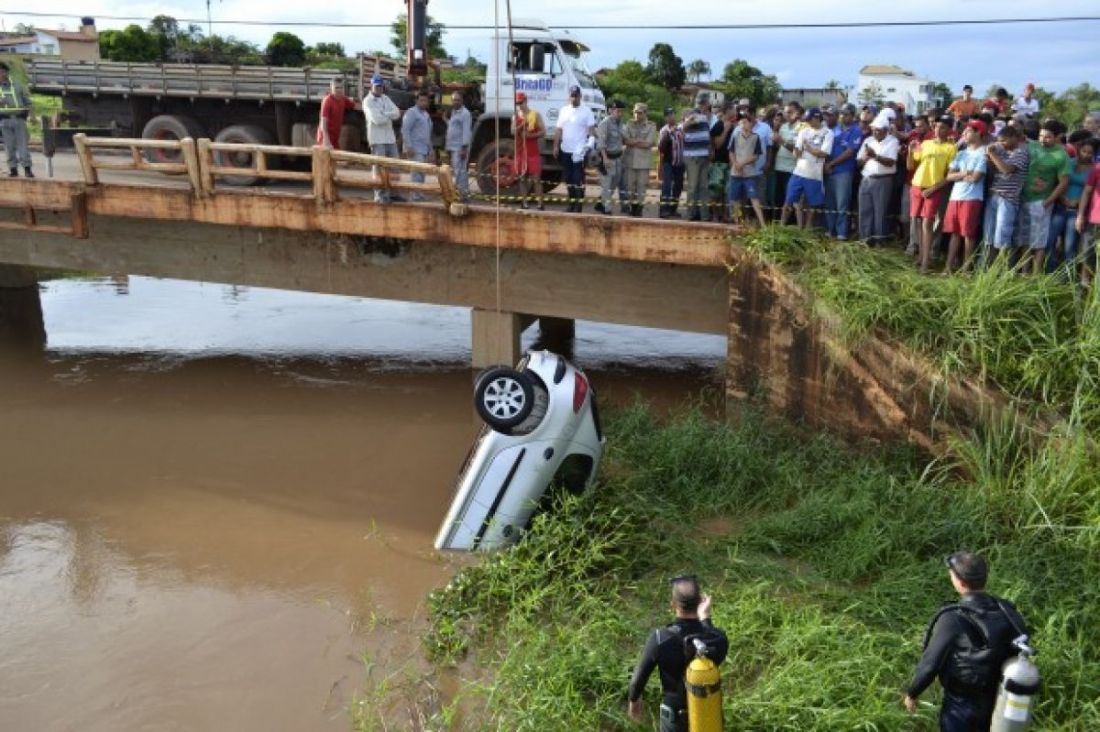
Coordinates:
x,y
333,108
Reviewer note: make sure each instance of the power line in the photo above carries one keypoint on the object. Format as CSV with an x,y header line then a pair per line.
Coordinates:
x,y
609,27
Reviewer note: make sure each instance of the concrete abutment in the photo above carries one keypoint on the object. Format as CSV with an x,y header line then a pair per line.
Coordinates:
x,y
21,323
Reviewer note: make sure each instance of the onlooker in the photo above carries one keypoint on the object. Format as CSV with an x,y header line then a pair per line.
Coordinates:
x,y
1063,221
929,159
381,113
785,142
806,189
333,108
457,142
610,145
745,150
1026,103
1091,122
964,209
15,108
572,131
773,194
1088,223
840,169
697,155
1009,157
718,177
877,158
966,106
1000,101
416,136
1047,179
528,129
670,146
639,136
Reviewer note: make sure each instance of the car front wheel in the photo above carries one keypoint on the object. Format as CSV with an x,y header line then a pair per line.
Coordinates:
x,y
503,398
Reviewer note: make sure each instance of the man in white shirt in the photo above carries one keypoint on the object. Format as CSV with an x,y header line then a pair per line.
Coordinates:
x,y
1026,103
878,159
575,125
806,188
381,113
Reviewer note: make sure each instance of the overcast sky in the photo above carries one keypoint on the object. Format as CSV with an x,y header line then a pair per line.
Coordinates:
x,y
1054,55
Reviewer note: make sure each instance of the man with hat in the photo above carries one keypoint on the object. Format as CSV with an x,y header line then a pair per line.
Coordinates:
x,y
528,129
610,145
878,158
840,168
965,646
575,125
381,113
639,136
15,107
670,146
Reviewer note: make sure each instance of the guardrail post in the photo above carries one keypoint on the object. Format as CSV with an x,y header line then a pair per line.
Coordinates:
x,y
205,163
191,160
324,172
84,155
79,215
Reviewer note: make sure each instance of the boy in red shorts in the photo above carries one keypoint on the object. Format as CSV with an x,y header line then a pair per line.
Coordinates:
x,y
929,161
964,209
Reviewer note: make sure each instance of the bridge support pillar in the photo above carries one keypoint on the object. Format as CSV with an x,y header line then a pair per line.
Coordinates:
x,y
495,338
21,321
557,334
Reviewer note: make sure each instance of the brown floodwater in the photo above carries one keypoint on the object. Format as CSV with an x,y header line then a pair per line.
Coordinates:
x,y
217,504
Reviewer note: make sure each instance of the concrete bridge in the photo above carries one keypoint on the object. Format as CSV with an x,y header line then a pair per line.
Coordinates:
x,y
112,209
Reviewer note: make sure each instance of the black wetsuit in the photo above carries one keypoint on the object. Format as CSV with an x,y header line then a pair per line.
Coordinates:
x,y
967,703
664,650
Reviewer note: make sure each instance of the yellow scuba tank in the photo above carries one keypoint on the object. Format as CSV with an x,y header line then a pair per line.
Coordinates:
x,y
704,692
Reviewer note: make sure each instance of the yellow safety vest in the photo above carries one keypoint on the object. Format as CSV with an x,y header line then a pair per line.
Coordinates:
x,y
9,100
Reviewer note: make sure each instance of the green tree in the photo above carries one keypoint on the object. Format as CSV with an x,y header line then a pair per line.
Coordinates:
x,y
665,68
873,93
630,83
286,49
166,31
1071,105
697,69
133,43
942,94
329,49
434,36
741,80
23,29
832,84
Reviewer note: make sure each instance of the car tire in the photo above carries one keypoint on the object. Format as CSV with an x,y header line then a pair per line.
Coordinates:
x,y
503,398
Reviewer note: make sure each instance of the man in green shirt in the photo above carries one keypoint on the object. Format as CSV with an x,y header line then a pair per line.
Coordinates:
x,y
1047,179
15,107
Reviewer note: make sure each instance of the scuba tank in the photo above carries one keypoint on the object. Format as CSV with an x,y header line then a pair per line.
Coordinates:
x,y
704,692
1019,684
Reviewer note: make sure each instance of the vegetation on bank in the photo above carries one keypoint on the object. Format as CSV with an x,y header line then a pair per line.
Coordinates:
x,y
825,560
825,563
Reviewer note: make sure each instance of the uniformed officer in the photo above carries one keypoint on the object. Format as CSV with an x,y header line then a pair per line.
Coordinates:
x,y
665,651
15,107
965,646
609,143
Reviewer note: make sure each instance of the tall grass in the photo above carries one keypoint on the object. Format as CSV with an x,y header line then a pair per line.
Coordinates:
x,y
824,573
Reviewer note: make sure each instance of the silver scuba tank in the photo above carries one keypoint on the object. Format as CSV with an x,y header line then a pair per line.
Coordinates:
x,y
1019,685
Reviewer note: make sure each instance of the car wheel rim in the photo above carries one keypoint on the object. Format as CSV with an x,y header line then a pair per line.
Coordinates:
x,y
504,398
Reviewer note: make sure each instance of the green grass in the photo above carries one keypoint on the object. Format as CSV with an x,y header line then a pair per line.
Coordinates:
x,y
828,567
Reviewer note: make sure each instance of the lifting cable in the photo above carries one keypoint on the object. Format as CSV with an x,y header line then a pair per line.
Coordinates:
x,y
496,125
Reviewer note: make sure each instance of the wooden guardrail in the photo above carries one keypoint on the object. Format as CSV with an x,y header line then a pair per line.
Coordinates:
x,y
205,163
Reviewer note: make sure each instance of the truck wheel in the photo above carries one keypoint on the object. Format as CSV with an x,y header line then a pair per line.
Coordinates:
x,y
303,134
503,398
351,138
498,162
242,135
170,127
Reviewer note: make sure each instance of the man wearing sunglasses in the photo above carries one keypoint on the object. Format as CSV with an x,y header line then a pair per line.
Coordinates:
x,y
965,646
665,651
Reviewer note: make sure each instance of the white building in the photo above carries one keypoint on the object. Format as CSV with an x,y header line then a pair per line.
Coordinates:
x,y
894,84
79,45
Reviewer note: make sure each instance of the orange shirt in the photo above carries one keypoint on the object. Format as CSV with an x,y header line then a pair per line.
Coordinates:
x,y
964,108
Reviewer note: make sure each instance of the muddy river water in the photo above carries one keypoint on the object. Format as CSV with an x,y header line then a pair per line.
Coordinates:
x,y
217,504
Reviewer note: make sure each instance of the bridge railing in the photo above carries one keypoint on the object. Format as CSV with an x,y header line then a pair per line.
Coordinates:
x,y
205,162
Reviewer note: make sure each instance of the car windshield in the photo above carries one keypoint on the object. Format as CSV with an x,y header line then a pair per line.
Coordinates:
x,y
574,56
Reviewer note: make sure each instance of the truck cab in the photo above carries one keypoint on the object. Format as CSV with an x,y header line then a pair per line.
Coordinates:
x,y
543,64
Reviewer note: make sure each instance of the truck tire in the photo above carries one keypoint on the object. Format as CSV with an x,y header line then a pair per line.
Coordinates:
x,y
303,134
246,135
170,127
498,160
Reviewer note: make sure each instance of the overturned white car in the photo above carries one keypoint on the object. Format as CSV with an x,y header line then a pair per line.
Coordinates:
x,y
541,431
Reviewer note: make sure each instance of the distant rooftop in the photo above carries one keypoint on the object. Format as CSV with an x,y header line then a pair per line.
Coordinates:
x,y
886,69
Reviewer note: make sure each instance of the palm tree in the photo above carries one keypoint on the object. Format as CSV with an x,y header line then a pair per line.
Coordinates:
x,y
697,69
832,84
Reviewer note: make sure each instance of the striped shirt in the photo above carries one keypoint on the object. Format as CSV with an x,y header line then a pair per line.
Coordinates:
x,y
697,136
1008,185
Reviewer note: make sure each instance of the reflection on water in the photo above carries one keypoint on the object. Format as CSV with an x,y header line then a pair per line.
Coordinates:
x,y
216,501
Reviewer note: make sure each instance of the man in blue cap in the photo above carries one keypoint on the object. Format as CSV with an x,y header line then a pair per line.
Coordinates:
x,y
381,113
576,125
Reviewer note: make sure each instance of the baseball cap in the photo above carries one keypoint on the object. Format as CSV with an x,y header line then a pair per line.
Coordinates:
x,y
641,107
848,108
829,109
946,119
812,113
574,90
521,97
977,124
377,80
